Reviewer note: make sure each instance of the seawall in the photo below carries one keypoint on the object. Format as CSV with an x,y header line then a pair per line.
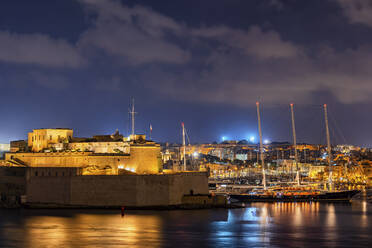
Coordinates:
x,y
116,190
67,187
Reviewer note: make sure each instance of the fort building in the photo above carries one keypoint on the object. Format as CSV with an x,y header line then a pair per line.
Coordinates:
x,y
54,169
40,139
100,155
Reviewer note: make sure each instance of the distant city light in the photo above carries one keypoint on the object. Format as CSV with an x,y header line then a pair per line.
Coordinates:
x,y
195,154
266,141
223,138
251,139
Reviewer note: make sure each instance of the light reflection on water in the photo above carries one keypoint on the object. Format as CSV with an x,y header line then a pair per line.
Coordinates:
x,y
259,225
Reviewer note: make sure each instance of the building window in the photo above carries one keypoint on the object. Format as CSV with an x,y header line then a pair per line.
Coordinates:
x,y
50,137
35,173
59,138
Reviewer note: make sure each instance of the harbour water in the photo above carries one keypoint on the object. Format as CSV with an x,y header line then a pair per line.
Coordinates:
x,y
257,225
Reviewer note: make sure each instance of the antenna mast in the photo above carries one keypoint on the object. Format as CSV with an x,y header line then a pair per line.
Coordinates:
x,y
295,144
132,113
184,146
329,150
261,146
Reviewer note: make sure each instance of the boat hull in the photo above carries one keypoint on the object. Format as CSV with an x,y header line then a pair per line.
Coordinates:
x,y
342,196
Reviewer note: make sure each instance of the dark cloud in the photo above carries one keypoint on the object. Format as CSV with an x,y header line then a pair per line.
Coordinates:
x,y
39,49
137,34
32,78
109,84
236,66
262,45
278,4
357,11
124,49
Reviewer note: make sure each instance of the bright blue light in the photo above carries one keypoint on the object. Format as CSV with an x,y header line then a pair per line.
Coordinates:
x,y
223,138
266,141
251,139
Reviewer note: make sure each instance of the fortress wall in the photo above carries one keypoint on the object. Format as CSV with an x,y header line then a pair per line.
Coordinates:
x,y
153,190
146,159
49,189
183,183
116,190
12,181
51,159
142,159
103,191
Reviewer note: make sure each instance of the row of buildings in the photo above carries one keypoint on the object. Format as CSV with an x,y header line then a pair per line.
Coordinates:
x,y
233,159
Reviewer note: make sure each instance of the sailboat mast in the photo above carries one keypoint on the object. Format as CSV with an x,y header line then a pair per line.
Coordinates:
x,y
328,148
184,146
295,144
261,146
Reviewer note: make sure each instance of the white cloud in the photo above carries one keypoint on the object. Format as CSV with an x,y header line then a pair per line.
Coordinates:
x,y
38,49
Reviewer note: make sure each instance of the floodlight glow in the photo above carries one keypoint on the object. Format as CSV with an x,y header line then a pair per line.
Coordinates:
x,y
266,141
223,138
251,139
195,154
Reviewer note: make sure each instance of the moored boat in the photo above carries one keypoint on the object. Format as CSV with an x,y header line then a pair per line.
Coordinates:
x,y
294,196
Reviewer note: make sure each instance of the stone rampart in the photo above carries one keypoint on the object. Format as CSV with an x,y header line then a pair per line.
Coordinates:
x,y
115,190
141,160
12,185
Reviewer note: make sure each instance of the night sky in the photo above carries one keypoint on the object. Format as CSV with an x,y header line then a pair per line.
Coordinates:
x,y
77,63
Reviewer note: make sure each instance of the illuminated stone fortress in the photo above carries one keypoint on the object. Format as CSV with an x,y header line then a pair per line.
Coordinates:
x,y
100,155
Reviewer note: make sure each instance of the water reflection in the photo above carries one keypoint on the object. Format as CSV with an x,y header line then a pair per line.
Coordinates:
x,y
259,224
87,229
49,230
